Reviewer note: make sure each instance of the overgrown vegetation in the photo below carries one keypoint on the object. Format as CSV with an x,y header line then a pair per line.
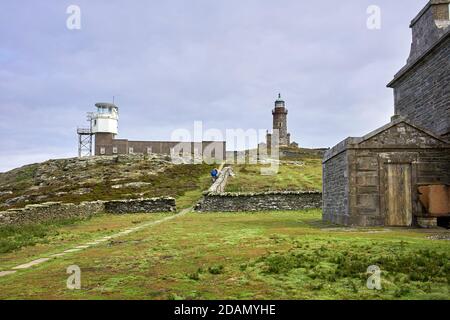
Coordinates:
x,y
405,268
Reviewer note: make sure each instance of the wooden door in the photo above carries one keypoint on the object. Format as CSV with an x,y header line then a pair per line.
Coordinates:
x,y
398,195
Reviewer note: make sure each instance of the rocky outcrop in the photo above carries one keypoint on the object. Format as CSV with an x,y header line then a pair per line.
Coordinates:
x,y
83,179
133,185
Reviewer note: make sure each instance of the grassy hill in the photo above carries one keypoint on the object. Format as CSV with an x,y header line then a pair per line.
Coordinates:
x,y
299,169
100,178
305,175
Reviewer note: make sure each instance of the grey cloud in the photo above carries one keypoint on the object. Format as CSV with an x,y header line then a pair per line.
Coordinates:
x,y
170,63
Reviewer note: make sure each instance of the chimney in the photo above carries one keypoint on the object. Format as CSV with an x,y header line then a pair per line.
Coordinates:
x,y
429,26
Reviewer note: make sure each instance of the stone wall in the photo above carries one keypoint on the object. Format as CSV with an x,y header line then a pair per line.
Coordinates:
x,y
422,90
335,188
267,201
163,204
52,211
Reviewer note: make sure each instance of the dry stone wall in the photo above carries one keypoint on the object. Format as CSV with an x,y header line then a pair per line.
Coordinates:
x,y
164,204
265,201
51,211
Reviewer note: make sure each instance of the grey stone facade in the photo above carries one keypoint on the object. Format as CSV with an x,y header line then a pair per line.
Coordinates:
x,y
374,180
422,91
335,194
355,172
265,201
428,27
421,88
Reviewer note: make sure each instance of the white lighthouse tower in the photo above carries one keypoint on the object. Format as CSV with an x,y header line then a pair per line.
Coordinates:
x,y
103,123
106,119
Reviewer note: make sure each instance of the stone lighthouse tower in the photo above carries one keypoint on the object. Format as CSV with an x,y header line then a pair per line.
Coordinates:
x,y
279,114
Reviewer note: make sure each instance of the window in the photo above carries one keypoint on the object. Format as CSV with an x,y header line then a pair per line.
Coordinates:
x,y
131,150
149,150
102,150
114,150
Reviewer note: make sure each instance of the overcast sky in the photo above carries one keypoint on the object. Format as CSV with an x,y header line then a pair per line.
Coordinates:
x,y
170,63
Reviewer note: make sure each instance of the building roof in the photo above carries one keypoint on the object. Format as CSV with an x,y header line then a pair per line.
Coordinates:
x,y
106,104
279,98
355,142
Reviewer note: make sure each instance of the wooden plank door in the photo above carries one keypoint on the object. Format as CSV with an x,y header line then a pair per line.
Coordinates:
x,y
398,195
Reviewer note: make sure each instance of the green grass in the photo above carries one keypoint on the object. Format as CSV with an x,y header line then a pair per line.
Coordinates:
x,y
248,177
273,255
15,237
190,197
19,244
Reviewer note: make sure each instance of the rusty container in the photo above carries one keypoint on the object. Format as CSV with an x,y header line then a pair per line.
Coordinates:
x,y
435,199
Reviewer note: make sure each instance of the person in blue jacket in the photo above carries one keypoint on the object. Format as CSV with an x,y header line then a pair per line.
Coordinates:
x,y
214,174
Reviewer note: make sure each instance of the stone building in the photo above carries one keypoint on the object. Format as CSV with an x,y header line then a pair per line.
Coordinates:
x,y
399,175
104,127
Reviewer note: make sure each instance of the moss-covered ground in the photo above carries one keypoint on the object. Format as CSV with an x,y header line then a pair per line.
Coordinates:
x,y
274,255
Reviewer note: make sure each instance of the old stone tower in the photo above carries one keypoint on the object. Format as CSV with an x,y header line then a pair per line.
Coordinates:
x,y
279,114
399,174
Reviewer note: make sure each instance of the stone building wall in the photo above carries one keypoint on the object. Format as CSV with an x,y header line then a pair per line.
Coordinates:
x,y
52,211
355,197
422,92
425,30
366,182
107,143
267,201
335,188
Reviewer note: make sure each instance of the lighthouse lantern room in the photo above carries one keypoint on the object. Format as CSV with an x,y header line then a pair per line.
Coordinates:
x,y
106,119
